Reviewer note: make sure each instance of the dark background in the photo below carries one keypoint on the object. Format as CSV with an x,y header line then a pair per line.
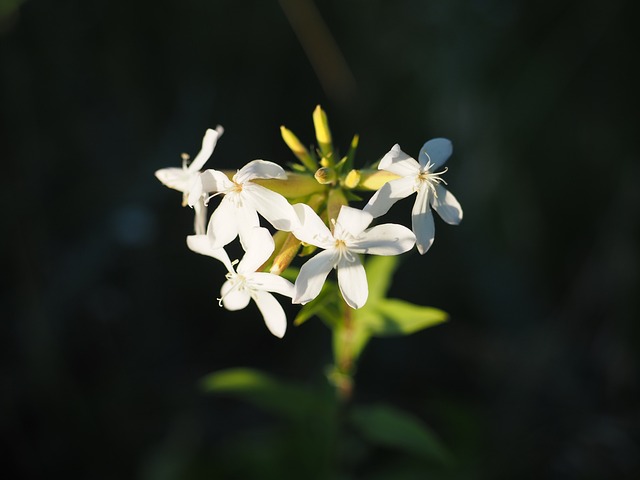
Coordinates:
x,y
108,321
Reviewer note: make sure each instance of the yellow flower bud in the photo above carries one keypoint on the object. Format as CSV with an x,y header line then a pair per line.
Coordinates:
x,y
325,175
323,134
286,254
296,185
374,179
352,179
297,148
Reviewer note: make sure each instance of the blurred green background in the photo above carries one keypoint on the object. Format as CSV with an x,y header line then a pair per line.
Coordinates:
x,y
109,322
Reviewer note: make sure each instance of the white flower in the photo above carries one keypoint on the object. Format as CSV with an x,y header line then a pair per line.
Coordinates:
x,y
350,237
238,211
244,283
421,178
183,179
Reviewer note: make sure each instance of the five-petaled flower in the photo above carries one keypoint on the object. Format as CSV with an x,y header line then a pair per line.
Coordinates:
x,y
244,283
243,199
422,178
350,237
183,179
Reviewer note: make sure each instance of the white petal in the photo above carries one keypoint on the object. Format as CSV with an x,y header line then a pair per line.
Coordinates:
x,y
352,280
311,228
202,245
223,224
274,316
438,150
200,218
246,220
422,221
398,162
312,276
259,247
208,144
175,178
447,206
209,181
259,169
234,298
272,283
272,206
389,194
353,220
386,239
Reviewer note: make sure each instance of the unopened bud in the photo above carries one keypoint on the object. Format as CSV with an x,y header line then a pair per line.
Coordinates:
x,y
297,148
375,179
286,254
323,134
325,175
352,179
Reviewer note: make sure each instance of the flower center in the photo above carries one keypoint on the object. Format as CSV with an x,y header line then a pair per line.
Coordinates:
x,y
430,179
343,251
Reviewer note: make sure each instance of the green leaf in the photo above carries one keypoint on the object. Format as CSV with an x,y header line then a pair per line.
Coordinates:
x,y
263,391
328,294
380,270
398,317
351,154
389,427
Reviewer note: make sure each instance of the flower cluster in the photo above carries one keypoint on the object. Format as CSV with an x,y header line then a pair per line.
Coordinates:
x,y
308,208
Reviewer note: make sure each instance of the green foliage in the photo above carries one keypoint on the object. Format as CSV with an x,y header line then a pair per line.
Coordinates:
x,y
323,306
264,391
380,316
389,427
389,317
299,444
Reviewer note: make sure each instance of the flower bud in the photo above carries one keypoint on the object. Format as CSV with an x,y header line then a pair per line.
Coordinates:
x,y
297,148
375,179
325,175
352,179
323,134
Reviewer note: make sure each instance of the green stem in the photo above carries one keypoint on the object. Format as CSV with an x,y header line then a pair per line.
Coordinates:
x,y
345,363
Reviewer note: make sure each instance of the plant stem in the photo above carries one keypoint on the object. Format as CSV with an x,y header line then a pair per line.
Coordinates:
x,y
345,362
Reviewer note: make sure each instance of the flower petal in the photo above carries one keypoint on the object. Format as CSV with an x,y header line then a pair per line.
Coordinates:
x,y
386,239
422,221
389,194
259,247
438,150
272,283
312,276
223,224
175,178
352,280
272,206
247,220
202,245
398,162
208,144
353,220
447,206
259,169
207,182
311,229
200,218
234,298
272,311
